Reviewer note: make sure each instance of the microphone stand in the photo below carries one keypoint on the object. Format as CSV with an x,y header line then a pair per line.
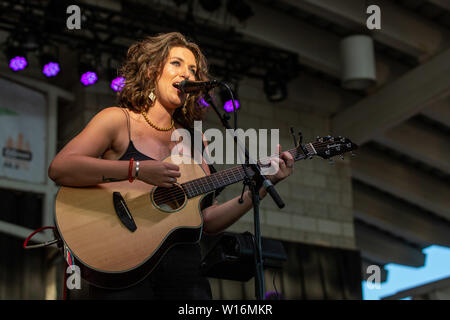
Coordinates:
x,y
248,181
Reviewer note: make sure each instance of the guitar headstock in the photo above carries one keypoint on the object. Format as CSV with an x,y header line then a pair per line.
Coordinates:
x,y
327,147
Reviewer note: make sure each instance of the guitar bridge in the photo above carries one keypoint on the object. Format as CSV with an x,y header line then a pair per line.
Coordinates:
x,y
123,212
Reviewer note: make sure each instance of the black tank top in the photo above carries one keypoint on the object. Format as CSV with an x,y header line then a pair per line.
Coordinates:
x,y
134,153
131,151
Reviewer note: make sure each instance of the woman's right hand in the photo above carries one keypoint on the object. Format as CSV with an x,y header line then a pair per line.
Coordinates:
x,y
158,173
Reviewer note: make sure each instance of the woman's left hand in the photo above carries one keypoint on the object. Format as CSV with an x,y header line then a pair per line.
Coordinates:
x,y
284,165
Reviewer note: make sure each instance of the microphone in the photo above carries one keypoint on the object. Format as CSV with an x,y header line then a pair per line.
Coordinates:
x,y
196,86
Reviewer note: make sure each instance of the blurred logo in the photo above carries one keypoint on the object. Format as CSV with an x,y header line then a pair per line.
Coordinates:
x,y
17,153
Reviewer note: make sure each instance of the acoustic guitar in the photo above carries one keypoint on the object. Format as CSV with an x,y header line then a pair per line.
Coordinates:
x,y
117,232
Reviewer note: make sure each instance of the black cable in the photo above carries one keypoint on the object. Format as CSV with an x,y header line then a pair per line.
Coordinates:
x,y
275,286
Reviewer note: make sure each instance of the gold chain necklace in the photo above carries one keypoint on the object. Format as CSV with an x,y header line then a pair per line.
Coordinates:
x,y
154,125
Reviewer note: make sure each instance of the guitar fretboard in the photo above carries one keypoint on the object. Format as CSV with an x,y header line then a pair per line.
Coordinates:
x,y
229,176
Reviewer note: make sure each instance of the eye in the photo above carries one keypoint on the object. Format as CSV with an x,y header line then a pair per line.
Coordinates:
x,y
175,62
193,71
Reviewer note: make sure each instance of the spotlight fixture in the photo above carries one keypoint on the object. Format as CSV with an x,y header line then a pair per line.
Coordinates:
x,y
88,78
225,95
50,69
275,86
201,101
30,41
239,9
15,54
87,69
116,80
228,106
88,74
49,62
18,63
117,83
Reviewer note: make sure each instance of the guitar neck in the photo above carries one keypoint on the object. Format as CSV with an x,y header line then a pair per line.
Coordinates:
x,y
230,176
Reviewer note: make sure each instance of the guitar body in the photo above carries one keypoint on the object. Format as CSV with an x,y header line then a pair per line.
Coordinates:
x,y
108,253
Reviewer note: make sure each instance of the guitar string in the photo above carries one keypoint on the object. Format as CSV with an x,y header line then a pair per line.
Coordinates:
x,y
194,190
223,174
190,189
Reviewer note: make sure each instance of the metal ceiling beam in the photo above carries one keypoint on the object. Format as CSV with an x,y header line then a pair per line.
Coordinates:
x,y
396,24
399,218
393,104
316,48
377,169
439,112
419,142
383,249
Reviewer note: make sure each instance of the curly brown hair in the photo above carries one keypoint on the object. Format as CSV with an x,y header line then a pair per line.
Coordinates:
x,y
144,63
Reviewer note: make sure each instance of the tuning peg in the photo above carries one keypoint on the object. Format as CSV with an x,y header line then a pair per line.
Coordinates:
x,y
331,161
293,137
342,157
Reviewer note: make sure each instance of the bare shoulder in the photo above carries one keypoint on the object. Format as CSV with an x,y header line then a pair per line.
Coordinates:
x,y
109,120
99,134
111,114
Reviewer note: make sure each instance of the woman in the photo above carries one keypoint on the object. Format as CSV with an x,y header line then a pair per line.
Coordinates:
x,y
151,108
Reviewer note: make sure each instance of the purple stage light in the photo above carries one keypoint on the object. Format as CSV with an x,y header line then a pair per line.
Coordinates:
x,y
18,63
228,106
88,78
203,102
272,295
51,69
118,83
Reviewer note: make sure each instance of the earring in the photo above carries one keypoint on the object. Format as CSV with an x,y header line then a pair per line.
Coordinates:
x,y
184,110
152,96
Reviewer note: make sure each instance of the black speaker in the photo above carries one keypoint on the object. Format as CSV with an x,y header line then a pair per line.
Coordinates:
x,y
231,256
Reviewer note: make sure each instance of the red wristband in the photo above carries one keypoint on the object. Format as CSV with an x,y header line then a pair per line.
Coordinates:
x,y
130,171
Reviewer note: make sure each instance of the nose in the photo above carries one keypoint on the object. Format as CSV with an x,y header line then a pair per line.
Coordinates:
x,y
186,74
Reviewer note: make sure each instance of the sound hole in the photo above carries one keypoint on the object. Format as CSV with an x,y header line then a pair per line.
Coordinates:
x,y
169,199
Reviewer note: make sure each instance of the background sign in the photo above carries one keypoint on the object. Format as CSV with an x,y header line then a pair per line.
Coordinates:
x,y
22,133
